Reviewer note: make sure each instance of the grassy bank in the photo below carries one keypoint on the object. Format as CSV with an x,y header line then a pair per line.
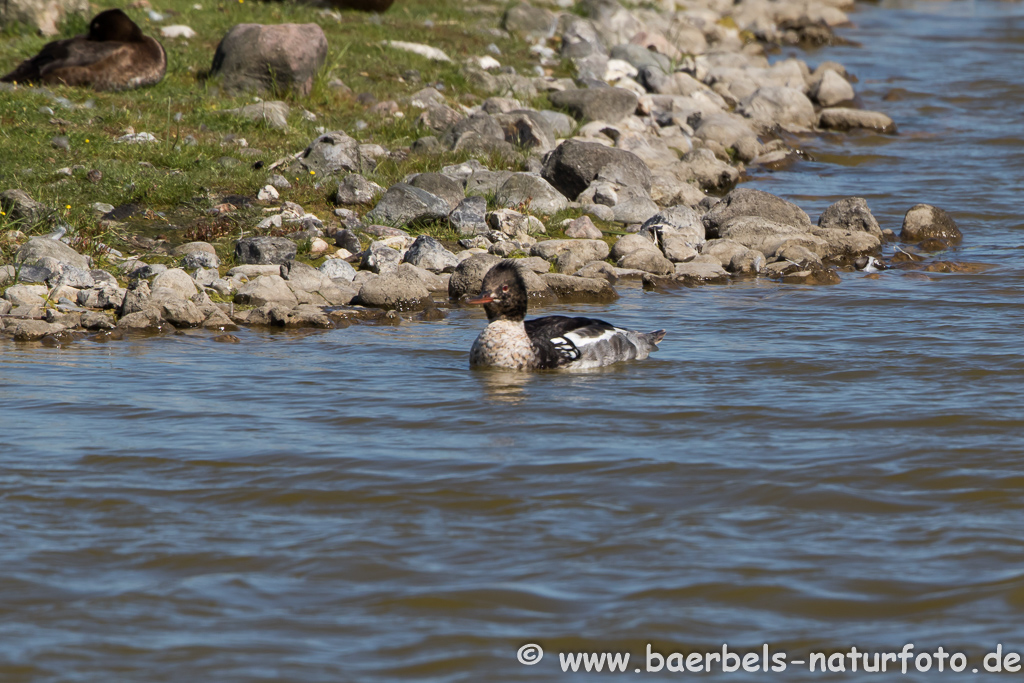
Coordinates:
x,y
172,181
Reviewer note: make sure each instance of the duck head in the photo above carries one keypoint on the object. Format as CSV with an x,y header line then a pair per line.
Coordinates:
x,y
503,293
114,25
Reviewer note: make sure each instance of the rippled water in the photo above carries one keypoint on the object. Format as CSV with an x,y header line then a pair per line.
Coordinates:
x,y
812,468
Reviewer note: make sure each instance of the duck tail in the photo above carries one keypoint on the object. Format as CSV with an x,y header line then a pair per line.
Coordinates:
x,y
655,337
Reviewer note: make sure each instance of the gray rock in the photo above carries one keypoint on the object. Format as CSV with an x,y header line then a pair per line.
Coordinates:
x,y
429,254
76,277
470,216
596,104
526,21
21,208
468,277
851,213
40,247
46,16
205,277
136,298
767,236
640,57
844,244
583,228
486,182
702,168
746,202
729,131
278,57
173,283
585,250
95,321
527,129
700,272
648,260
331,153
924,221
399,289
441,186
347,239
26,295
338,269
265,250
200,259
249,271
531,191
679,232
147,320
405,204
831,89
569,288
561,124
273,113
843,118
574,165
180,312
355,189
304,277
33,330
508,222
634,210
778,106
473,132
380,258
734,257
627,244
266,289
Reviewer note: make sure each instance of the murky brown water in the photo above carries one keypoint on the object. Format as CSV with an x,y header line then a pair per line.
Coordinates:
x,y
811,468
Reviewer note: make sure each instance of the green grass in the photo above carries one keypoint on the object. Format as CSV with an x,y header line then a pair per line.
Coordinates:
x,y
182,181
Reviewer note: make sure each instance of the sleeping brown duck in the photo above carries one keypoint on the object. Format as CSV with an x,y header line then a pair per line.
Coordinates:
x,y
114,55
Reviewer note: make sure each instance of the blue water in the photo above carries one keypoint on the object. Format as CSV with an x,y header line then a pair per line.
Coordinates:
x,y
813,468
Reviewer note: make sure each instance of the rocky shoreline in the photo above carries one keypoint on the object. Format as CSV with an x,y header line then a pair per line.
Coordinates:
x,y
631,174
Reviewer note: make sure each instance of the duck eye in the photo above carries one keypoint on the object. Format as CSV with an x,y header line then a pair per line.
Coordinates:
x,y
504,288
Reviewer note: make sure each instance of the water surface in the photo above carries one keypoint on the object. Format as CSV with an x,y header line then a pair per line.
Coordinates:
x,y
812,468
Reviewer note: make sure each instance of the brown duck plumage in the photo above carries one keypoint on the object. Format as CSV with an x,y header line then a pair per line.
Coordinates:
x,y
114,55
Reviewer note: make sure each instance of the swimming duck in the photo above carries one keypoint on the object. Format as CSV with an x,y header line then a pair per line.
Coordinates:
x,y
114,55
554,341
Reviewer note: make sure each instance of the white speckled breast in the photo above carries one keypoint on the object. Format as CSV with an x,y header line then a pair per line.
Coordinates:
x,y
503,344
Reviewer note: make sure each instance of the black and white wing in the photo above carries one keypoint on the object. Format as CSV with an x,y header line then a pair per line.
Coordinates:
x,y
562,341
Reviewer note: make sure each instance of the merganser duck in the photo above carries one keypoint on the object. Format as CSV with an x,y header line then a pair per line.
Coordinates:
x,y
555,341
114,55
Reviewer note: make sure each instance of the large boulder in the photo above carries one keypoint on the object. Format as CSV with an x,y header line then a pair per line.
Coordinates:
x,y
531,191
586,250
173,283
404,204
527,21
426,252
767,236
400,289
778,106
330,153
468,277
844,118
574,165
851,213
527,129
41,247
277,57
597,104
440,185
21,208
924,221
747,202
266,289
44,15
470,216
265,250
